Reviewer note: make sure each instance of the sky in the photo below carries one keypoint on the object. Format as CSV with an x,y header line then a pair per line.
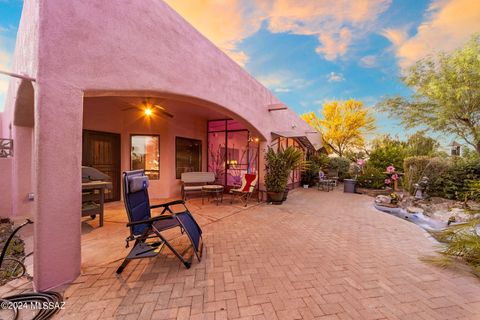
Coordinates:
x,y
312,51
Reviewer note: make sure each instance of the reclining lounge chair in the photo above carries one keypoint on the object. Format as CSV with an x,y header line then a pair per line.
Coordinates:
x,y
146,231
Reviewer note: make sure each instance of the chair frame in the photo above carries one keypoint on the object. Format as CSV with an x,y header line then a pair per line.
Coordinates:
x,y
324,181
244,196
142,248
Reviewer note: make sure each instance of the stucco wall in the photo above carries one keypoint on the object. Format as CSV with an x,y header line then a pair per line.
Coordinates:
x,y
77,48
145,45
100,116
6,169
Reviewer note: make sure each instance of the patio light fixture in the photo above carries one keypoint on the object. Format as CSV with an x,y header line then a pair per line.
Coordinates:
x,y
148,112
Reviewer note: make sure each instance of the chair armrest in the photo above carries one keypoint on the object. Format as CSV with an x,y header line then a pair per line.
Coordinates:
x,y
167,204
149,221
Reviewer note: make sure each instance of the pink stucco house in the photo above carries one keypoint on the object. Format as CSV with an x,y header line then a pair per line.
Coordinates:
x,y
88,71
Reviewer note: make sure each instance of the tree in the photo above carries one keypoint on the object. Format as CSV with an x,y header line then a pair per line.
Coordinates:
x,y
421,145
387,151
447,94
343,126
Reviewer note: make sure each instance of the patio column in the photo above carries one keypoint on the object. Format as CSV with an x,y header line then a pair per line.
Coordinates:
x,y
58,158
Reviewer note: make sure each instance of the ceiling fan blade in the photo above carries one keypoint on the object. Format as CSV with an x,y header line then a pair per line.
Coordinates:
x,y
166,113
131,108
163,110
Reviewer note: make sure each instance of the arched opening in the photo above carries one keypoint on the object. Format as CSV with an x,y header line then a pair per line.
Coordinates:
x,y
23,127
24,114
119,135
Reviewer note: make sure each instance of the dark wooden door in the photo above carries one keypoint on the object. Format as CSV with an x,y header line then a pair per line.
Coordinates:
x,y
101,150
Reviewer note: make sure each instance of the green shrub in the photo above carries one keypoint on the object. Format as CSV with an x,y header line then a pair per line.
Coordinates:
x,y
342,165
320,159
387,151
371,178
459,180
310,174
316,162
277,171
454,178
414,168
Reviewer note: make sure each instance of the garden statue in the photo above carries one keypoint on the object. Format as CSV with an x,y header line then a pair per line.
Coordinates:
x,y
420,192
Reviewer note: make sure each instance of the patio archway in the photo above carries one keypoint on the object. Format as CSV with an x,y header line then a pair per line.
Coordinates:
x,y
23,136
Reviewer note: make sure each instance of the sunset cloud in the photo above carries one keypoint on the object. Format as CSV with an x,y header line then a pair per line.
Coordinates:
x,y
225,23
334,23
448,25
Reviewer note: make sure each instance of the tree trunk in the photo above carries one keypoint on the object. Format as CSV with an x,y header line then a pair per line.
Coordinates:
x,y
478,148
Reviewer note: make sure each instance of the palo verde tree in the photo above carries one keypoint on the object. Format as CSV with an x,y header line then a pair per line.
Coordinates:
x,y
344,125
447,94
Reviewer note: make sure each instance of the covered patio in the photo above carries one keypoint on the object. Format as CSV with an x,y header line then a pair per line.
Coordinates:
x,y
70,81
311,258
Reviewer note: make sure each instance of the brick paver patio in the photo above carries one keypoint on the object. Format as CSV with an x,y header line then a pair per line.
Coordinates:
x,y
319,256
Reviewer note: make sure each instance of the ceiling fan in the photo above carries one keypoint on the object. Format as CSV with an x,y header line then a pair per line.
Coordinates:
x,y
149,109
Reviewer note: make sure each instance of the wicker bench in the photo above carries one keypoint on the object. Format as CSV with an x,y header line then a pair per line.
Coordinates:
x,y
192,182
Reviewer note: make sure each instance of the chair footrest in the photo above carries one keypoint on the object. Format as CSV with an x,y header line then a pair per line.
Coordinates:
x,y
145,250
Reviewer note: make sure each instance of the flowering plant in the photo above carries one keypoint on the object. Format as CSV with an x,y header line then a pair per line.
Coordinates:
x,y
391,169
394,198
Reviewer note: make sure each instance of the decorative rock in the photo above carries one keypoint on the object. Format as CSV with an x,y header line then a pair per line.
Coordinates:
x,y
382,199
415,210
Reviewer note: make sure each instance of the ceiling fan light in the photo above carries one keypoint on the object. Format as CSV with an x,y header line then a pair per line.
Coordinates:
x,y
148,112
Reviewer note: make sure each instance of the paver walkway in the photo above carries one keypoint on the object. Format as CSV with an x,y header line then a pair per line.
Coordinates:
x,y
320,255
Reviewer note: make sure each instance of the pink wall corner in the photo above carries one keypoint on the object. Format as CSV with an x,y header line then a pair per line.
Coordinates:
x,y
57,225
6,182
23,172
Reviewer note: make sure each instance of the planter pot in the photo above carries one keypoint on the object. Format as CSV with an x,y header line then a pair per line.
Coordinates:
x,y
275,196
285,194
305,186
349,185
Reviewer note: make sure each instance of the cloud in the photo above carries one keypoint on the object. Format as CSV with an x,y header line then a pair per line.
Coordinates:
x,y
369,61
334,23
396,36
282,81
282,90
447,25
335,77
5,61
225,23
334,46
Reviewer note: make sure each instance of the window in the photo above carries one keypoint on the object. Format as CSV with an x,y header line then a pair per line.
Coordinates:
x,y
188,155
145,154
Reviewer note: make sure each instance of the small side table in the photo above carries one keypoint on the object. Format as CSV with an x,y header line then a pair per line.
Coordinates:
x,y
213,190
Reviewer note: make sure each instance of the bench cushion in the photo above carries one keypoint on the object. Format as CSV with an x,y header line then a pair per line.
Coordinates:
x,y
192,188
198,177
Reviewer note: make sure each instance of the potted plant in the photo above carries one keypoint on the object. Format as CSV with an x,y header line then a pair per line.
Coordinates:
x,y
294,160
276,177
310,175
